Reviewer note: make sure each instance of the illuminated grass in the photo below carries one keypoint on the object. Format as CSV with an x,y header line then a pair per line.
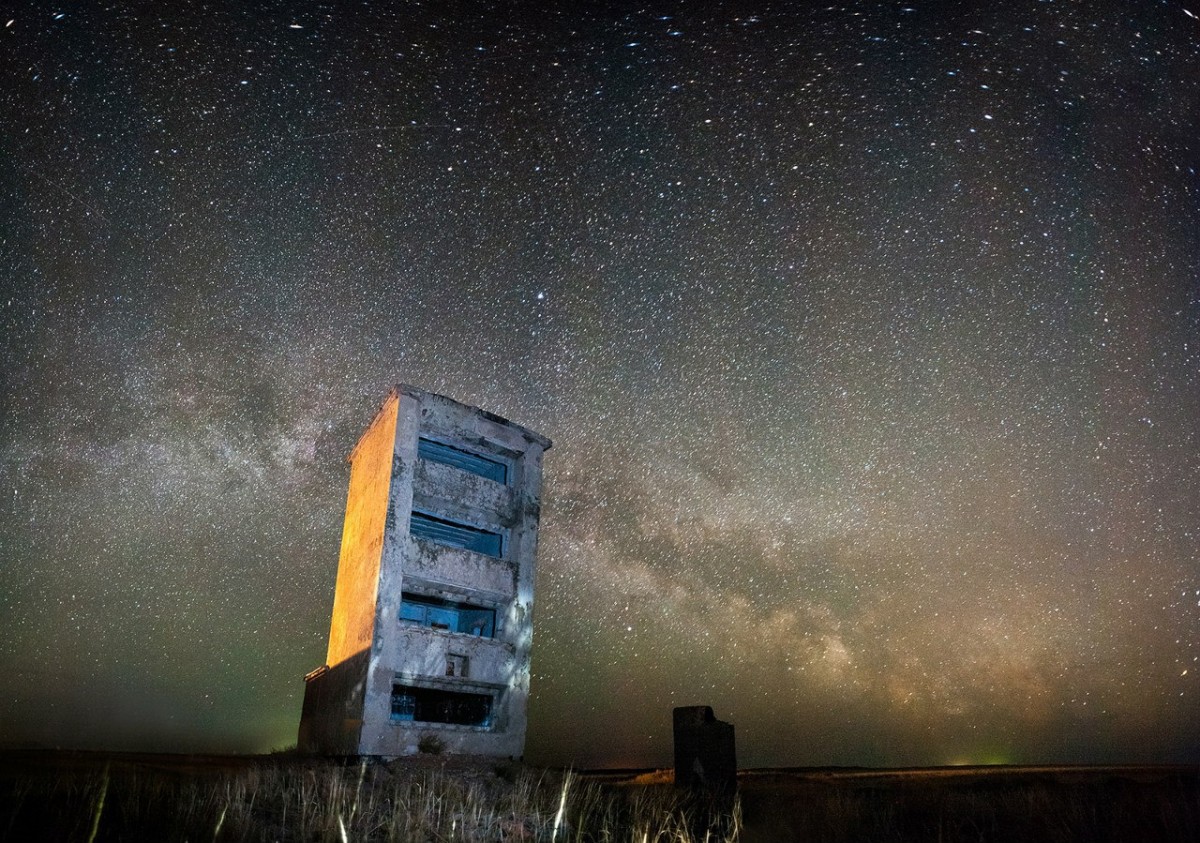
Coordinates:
x,y
311,800
70,797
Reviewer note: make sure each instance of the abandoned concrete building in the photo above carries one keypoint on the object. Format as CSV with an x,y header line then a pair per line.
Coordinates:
x,y
432,622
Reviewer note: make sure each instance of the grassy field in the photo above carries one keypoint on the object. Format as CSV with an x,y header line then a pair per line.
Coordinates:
x,y
1086,804
93,797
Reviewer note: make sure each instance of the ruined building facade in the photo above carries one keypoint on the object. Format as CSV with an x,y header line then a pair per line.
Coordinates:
x,y
432,623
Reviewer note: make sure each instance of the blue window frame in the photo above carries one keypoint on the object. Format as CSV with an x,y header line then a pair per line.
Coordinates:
x,y
463,460
455,534
447,615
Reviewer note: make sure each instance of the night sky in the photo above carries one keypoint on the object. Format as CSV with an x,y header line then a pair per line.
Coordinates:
x,y
868,337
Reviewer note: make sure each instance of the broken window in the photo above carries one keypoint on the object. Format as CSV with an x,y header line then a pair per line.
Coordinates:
x,y
456,534
432,705
447,615
456,665
463,460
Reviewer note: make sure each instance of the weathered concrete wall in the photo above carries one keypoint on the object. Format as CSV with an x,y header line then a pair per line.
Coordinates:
x,y
524,543
353,624
452,566
445,488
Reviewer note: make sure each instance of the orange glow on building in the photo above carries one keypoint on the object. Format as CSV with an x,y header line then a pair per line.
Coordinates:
x,y
352,626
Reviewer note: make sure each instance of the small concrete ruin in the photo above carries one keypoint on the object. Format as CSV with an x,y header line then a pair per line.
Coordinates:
x,y
705,756
429,642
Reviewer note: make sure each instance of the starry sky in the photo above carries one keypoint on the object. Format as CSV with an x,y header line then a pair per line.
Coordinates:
x,y
868,337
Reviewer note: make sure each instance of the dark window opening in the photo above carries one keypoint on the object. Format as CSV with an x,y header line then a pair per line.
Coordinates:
x,y
454,534
483,466
430,705
447,615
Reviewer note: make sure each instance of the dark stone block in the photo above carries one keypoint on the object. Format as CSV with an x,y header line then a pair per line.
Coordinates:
x,y
705,757
333,699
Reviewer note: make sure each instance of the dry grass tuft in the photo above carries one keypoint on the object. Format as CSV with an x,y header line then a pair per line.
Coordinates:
x,y
301,800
